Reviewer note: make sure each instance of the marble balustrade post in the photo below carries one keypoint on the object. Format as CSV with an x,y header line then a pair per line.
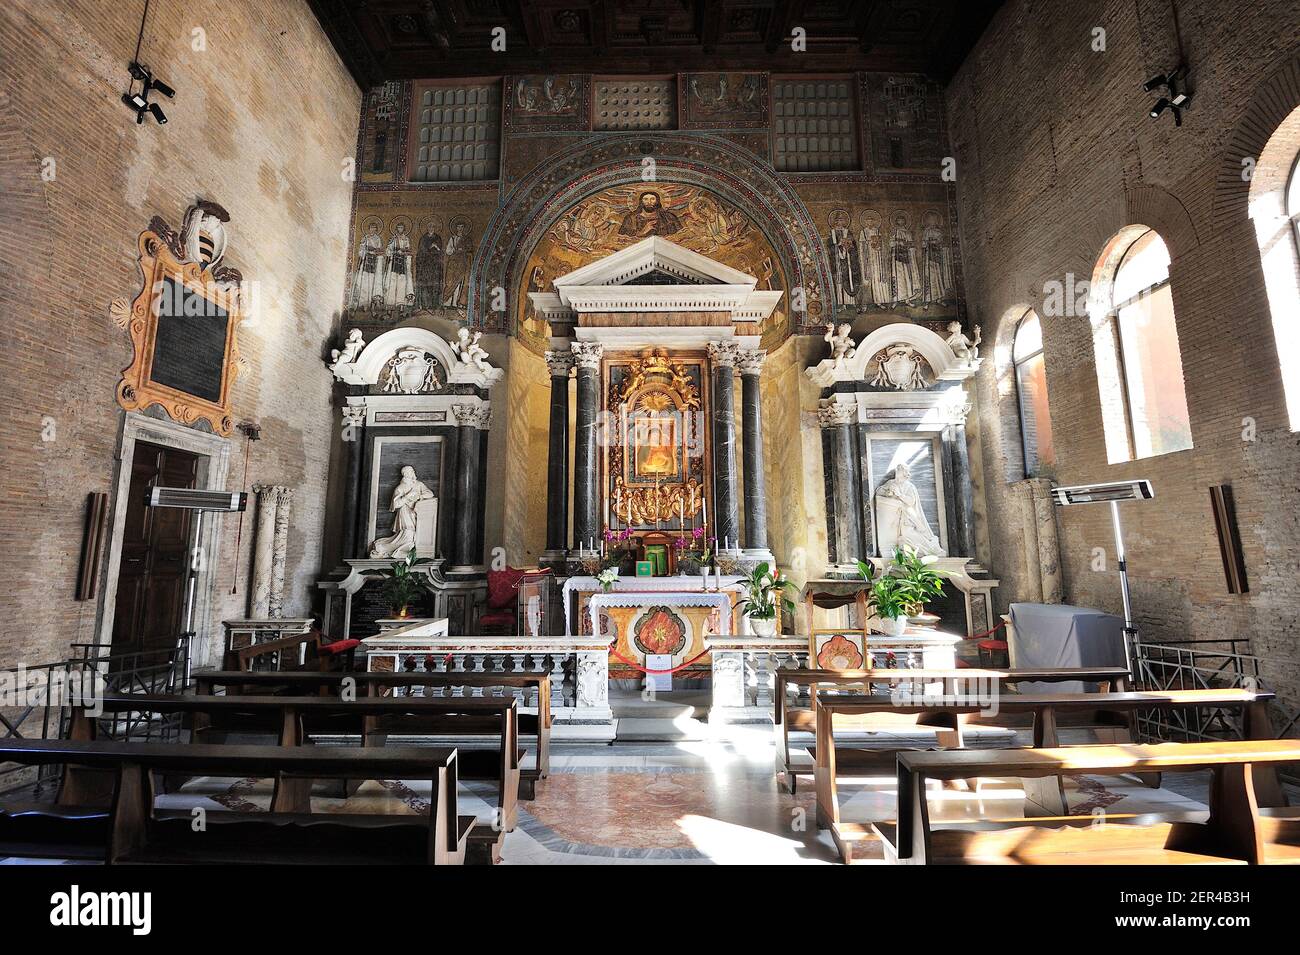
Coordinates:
x,y
838,420
470,420
557,454
723,357
586,500
751,413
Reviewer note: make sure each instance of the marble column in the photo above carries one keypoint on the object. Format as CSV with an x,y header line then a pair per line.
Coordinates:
x,y
586,499
961,537
751,416
557,455
265,595
837,419
726,521
354,429
470,419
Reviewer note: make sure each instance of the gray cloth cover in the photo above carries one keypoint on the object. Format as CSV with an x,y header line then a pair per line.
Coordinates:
x,y
1058,635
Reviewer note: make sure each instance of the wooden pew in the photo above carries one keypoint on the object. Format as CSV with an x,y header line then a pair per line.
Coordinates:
x,y
537,725
1047,792
128,829
1238,830
787,718
293,719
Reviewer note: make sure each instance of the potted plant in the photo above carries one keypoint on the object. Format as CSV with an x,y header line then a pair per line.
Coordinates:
x,y
693,552
403,584
764,593
902,590
607,578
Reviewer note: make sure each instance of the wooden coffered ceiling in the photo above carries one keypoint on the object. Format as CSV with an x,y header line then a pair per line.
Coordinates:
x,y
383,40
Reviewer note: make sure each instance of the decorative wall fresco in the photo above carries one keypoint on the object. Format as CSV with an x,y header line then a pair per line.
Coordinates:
x,y
411,254
722,100
905,119
383,122
615,218
889,250
548,101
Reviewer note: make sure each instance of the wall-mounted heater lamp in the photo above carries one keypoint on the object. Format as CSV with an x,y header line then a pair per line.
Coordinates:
x,y
1112,493
200,501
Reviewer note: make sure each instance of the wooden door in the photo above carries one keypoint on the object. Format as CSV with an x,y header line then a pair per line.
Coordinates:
x,y
154,572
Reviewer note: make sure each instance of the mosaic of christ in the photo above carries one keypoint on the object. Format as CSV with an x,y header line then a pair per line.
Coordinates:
x,y
616,218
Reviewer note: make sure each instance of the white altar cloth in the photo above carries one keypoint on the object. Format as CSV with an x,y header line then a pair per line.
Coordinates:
x,y
668,598
681,584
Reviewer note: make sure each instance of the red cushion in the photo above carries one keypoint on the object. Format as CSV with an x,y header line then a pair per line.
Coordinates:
x,y
498,616
340,646
992,644
503,587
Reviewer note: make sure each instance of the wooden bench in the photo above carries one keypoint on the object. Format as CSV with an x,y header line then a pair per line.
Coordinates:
x,y
787,718
128,829
1238,830
831,760
537,725
294,719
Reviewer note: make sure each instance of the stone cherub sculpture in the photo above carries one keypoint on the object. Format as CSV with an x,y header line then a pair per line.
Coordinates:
x,y
964,348
842,347
350,350
408,494
469,350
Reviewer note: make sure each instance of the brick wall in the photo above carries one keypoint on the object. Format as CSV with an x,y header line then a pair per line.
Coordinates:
x,y
1055,155
262,121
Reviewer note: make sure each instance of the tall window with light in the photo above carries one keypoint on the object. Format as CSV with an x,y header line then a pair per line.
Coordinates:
x,y
1031,395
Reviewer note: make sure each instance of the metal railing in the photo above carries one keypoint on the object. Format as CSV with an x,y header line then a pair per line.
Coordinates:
x,y
45,708
1203,665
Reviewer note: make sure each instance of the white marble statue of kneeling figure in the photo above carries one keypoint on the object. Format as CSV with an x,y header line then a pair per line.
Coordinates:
x,y
408,494
900,519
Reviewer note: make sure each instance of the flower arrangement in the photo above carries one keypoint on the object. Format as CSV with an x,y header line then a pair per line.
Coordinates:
x,y
607,578
764,592
903,589
403,585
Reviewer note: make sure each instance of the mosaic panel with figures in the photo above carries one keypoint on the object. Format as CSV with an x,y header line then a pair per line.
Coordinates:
x,y
888,251
723,100
616,218
905,119
411,254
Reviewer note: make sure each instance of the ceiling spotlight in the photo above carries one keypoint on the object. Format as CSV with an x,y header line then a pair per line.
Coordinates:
x,y
1155,83
158,114
161,87
1174,100
135,101
140,101
1161,105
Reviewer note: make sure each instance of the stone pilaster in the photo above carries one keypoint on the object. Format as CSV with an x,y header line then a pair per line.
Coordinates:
x,y
753,468
279,551
557,454
586,500
837,420
354,430
723,356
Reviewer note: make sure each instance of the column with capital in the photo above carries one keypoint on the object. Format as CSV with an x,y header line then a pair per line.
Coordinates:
x,y
262,601
723,357
470,421
586,501
279,551
354,429
752,466
837,421
560,364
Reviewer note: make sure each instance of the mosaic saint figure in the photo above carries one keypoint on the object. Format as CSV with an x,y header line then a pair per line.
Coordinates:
x,y
428,268
408,494
843,250
650,218
936,262
366,282
398,289
874,258
902,251
455,283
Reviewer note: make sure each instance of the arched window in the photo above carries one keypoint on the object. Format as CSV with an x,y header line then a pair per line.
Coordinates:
x,y
1275,209
1031,395
1139,364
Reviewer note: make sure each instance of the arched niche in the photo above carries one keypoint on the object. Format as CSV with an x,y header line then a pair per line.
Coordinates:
x,y
710,163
